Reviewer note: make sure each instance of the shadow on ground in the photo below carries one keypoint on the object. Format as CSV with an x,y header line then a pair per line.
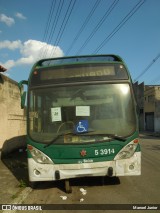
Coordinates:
x,y
14,156
79,182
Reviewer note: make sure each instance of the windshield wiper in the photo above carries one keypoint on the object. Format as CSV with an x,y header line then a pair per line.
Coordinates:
x,y
112,136
117,137
67,133
88,133
55,138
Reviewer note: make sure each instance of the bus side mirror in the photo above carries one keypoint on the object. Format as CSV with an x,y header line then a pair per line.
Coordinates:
x,y
22,92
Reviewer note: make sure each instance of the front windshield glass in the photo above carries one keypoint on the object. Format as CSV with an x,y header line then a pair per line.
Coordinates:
x,y
80,113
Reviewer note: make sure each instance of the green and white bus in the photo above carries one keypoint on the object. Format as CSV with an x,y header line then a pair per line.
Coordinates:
x,y
81,119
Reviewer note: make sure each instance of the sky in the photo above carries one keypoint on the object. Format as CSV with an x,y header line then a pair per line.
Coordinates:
x,y
35,29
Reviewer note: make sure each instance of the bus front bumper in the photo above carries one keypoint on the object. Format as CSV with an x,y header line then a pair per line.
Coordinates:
x,y
49,172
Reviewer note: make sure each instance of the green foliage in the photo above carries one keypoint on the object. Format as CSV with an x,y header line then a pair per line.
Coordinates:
x,y
22,184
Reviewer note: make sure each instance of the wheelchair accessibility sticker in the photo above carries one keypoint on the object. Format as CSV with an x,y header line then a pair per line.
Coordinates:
x,y
82,126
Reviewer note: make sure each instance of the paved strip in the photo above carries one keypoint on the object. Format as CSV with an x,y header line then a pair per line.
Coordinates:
x,y
21,197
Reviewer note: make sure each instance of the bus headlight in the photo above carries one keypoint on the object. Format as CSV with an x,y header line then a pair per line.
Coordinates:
x,y
127,151
39,156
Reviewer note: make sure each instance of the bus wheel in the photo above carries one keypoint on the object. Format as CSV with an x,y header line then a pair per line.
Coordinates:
x,y
33,184
68,187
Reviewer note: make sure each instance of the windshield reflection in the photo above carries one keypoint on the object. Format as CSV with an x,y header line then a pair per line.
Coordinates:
x,y
105,108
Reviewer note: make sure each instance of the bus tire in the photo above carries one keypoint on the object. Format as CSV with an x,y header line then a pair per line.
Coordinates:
x,y
68,187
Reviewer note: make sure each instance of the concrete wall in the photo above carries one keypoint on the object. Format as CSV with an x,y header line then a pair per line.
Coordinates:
x,y
152,105
12,117
157,113
149,103
148,100
139,95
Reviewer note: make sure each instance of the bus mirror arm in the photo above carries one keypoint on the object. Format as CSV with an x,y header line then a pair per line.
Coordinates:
x,y
23,100
22,92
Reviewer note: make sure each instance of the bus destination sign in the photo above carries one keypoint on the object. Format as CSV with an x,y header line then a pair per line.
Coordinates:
x,y
77,72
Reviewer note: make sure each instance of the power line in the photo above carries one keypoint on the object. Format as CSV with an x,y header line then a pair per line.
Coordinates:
x,y
64,24
120,25
107,13
83,26
58,13
54,25
147,68
49,19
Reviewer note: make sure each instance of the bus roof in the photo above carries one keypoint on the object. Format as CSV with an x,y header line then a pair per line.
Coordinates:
x,y
78,59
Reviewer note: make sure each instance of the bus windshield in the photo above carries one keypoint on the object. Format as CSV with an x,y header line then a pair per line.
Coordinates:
x,y
93,109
